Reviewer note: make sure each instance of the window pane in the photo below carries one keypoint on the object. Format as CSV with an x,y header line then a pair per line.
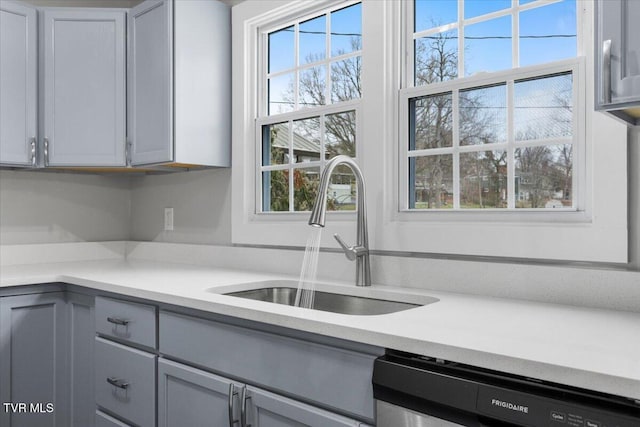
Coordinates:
x,y
543,107
548,33
483,115
483,180
313,40
346,30
480,7
275,144
487,46
275,191
436,58
306,140
544,176
432,122
312,87
431,182
433,13
345,79
342,193
281,49
281,94
340,134
305,188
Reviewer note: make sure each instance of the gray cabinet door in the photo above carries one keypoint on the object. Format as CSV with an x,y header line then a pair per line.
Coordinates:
x,y
33,360
81,338
272,410
150,82
84,87
191,397
18,82
619,81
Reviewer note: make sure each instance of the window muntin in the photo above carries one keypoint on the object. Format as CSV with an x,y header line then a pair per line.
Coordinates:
x,y
505,144
312,90
307,62
475,141
467,37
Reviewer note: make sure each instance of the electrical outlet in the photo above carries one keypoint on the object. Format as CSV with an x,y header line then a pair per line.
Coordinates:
x,y
168,219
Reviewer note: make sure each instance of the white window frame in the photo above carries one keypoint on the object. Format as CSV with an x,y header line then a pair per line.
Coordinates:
x,y
576,67
299,113
597,231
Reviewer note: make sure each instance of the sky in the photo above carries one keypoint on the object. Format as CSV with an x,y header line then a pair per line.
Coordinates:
x,y
547,33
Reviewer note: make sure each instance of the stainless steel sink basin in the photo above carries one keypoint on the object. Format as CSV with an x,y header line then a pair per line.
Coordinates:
x,y
326,301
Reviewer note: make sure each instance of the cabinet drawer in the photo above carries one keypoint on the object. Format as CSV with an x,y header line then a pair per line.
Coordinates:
x,y
125,382
125,320
104,420
334,378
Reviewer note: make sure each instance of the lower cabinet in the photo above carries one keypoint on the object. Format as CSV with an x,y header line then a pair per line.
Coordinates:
x,y
104,420
191,397
34,360
125,382
46,360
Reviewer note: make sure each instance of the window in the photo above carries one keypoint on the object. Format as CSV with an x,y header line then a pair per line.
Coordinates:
x,y
488,169
309,108
493,113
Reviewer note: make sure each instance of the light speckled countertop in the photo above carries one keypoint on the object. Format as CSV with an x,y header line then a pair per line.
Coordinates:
x,y
583,347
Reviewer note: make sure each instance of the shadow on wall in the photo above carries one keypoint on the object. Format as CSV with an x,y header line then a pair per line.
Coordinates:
x,y
52,207
201,201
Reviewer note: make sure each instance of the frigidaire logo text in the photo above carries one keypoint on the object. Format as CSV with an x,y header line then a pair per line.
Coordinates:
x,y
509,405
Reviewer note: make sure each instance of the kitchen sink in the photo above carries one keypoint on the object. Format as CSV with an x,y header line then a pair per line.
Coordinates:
x,y
328,301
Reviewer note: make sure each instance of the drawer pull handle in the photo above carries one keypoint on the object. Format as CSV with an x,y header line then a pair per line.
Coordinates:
x,y
117,321
243,412
232,394
118,383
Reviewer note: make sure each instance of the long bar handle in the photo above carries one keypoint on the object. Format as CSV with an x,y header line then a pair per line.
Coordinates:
x,y
606,71
118,321
243,412
34,152
46,152
118,383
232,394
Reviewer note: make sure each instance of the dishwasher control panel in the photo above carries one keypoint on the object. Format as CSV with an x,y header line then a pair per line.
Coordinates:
x,y
532,410
458,394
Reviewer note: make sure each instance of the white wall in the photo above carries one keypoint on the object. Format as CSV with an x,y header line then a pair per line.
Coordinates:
x,y
49,207
201,202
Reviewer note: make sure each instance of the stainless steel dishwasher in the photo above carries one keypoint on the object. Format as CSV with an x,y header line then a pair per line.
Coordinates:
x,y
417,391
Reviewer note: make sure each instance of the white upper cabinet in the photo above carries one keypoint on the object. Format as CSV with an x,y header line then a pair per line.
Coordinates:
x,y
618,58
84,87
180,83
18,83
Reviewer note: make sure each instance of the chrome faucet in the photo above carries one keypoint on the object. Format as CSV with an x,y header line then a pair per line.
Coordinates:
x,y
359,252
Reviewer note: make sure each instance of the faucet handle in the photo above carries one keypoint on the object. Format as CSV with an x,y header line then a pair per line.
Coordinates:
x,y
349,251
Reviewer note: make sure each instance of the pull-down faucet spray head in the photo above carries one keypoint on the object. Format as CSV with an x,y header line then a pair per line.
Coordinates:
x,y
360,251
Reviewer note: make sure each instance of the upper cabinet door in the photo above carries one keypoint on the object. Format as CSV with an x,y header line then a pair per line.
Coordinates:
x,y
18,82
618,54
84,88
151,82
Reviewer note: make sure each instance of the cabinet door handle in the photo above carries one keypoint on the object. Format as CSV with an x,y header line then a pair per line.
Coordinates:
x,y
243,411
117,321
46,152
34,158
606,71
118,383
232,394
